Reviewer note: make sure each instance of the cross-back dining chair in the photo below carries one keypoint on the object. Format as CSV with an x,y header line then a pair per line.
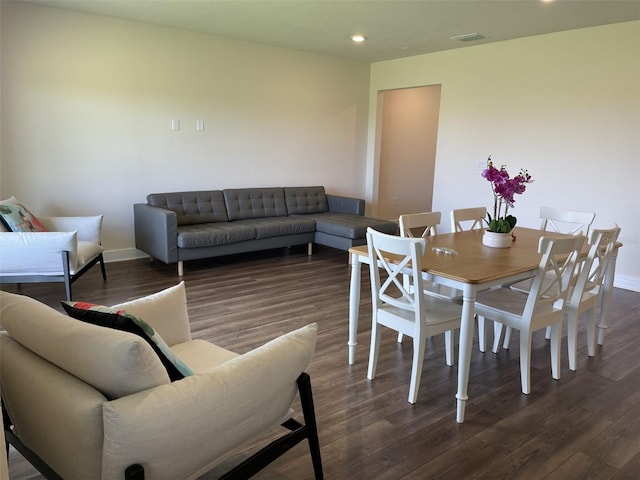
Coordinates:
x,y
423,225
583,297
542,307
557,220
560,220
467,218
406,310
585,290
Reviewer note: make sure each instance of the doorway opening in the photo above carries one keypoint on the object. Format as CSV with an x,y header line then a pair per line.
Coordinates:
x,y
408,130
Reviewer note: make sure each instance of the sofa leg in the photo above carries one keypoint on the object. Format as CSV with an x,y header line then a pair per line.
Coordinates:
x,y
310,248
180,268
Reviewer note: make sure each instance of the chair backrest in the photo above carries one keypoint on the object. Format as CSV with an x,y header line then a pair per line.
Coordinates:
x,y
475,215
573,222
398,256
555,270
594,266
426,223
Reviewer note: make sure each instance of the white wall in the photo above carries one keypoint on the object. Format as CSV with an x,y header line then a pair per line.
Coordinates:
x,y
566,106
87,104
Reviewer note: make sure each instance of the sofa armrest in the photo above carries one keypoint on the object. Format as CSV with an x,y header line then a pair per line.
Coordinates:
x,y
36,253
156,232
205,416
340,204
89,228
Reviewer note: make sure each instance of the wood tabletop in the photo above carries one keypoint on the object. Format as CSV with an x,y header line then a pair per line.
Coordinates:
x,y
475,263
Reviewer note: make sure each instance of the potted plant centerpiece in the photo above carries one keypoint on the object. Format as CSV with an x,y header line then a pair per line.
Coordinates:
x,y
499,226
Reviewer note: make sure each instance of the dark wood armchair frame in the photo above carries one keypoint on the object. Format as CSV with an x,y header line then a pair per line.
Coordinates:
x,y
244,470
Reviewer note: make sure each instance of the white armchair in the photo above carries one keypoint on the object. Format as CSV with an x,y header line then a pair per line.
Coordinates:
x,y
69,247
104,408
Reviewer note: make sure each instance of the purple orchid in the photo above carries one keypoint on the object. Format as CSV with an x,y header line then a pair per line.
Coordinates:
x,y
504,189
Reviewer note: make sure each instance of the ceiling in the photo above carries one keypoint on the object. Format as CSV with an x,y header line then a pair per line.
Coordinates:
x,y
394,28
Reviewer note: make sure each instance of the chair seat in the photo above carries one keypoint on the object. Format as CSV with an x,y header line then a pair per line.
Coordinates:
x,y
202,356
439,312
504,302
87,251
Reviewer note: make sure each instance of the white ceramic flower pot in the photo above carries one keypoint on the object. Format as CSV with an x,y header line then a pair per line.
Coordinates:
x,y
496,240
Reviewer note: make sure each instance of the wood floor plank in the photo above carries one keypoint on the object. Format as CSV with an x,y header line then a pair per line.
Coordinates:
x,y
585,425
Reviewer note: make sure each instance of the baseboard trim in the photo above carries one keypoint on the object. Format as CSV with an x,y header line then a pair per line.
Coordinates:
x,y
627,283
123,254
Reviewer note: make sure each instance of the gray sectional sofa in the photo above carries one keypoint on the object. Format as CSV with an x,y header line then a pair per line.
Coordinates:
x,y
179,226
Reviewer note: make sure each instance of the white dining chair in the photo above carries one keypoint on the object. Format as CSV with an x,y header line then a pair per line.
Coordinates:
x,y
542,307
468,218
560,220
556,220
423,225
406,310
584,295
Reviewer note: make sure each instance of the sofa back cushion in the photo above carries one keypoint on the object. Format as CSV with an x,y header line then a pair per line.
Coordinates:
x,y
192,207
246,203
115,363
301,200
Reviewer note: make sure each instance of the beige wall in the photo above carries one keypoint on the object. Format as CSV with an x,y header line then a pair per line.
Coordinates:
x,y
566,106
87,104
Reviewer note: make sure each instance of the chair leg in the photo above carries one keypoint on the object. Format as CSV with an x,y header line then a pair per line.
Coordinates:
x,y
482,337
572,338
448,347
376,333
308,411
525,361
556,352
104,272
67,275
590,321
497,336
419,343
507,338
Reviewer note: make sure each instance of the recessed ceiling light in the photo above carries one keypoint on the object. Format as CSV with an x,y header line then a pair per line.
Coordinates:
x,y
358,38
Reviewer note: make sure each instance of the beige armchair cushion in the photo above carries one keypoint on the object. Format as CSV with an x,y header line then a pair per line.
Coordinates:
x,y
115,363
205,415
166,311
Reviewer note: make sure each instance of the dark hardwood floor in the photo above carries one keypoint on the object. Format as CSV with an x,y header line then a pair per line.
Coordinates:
x,y
586,425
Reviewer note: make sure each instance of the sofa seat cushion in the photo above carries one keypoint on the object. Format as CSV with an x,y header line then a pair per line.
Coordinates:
x,y
279,226
350,226
214,234
202,356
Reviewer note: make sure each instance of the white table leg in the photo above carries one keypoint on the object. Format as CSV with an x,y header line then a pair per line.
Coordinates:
x,y
354,306
607,287
466,342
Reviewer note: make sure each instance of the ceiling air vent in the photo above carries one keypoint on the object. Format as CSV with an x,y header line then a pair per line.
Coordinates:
x,y
469,37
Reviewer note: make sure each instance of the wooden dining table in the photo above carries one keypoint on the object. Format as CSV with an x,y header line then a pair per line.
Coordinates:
x,y
460,260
